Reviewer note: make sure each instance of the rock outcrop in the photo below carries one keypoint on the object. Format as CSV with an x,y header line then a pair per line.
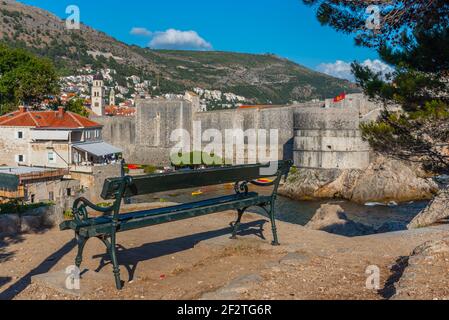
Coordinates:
x,y
332,219
424,272
384,180
437,210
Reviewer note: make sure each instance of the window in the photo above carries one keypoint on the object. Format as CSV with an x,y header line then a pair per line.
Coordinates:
x,y
97,104
51,157
51,196
97,133
69,192
20,158
19,135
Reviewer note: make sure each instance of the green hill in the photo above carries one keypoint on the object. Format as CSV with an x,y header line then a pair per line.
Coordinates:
x,y
261,78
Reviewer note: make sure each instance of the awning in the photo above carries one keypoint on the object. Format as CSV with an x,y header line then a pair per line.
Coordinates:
x,y
58,135
9,182
98,149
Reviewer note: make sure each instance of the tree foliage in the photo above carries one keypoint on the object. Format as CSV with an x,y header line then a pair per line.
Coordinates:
x,y
24,78
413,37
77,106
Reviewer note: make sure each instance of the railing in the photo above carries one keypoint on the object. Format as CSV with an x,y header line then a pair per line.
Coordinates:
x,y
49,173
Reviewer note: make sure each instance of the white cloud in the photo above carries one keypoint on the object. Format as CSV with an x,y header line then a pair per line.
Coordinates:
x,y
173,39
141,32
342,69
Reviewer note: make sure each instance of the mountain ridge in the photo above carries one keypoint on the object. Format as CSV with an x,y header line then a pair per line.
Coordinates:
x,y
262,78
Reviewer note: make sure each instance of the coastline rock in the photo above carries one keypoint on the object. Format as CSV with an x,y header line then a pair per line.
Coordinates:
x,y
392,180
332,219
309,183
384,180
421,278
436,210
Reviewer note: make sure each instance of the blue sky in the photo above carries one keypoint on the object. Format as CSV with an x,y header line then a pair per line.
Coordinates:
x,y
284,27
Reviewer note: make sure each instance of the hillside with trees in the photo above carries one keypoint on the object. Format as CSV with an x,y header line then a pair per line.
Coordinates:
x,y
260,78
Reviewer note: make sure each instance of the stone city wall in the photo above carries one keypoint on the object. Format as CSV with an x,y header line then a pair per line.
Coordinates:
x,y
312,135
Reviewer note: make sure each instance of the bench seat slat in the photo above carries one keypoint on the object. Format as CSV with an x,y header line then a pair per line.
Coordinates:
x,y
155,219
154,212
185,206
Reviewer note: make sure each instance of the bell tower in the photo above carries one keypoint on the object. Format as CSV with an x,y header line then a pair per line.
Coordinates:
x,y
98,95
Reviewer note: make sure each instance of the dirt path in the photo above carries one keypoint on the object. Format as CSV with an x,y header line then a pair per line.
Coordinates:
x,y
194,259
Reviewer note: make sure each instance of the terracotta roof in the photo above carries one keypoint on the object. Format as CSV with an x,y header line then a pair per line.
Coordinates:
x,y
46,119
120,111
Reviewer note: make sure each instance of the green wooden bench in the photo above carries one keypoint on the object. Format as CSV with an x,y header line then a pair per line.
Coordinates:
x,y
106,226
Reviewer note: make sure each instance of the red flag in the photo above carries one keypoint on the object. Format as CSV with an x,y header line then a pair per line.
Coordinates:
x,y
341,97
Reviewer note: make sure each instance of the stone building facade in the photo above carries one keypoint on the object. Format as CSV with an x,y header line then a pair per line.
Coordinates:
x,y
58,140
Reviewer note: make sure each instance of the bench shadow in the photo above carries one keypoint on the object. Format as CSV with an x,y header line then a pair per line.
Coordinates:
x,y
4,280
397,270
5,242
129,258
43,267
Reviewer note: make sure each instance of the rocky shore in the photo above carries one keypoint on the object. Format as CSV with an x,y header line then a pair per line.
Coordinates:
x,y
385,180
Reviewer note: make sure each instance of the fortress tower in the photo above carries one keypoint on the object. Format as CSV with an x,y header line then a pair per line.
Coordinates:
x,y
98,95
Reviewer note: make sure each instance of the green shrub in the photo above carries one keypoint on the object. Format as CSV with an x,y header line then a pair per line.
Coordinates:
x,y
16,207
149,169
68,214
104,204
294,170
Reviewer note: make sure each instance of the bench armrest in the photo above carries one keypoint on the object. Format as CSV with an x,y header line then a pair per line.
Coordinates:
x,y
283,171
80,209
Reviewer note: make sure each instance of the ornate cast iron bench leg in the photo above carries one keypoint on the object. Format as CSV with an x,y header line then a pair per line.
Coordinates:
x,y
273,225
240,213
112,251
116,269
81,240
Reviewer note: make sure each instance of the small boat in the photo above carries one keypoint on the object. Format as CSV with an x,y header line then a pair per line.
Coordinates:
x,y
263,180
197,193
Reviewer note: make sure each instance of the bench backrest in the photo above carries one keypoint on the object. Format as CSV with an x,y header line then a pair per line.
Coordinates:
x,y
154,183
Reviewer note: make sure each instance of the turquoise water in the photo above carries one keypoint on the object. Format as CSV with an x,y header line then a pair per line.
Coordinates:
x,y
300,212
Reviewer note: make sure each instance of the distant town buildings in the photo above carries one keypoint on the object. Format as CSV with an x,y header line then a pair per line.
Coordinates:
x,y
104,87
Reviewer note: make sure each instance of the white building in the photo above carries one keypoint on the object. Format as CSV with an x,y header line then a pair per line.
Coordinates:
x,y
53,139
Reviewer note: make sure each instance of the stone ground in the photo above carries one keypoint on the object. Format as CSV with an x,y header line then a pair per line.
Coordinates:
x,y
195,259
